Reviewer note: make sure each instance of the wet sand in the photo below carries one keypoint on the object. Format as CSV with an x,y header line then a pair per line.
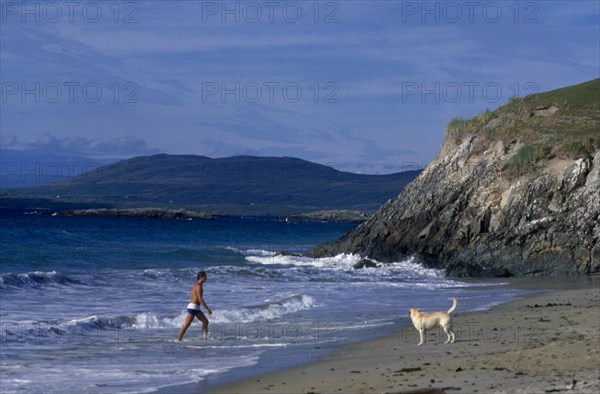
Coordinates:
x,y
546,343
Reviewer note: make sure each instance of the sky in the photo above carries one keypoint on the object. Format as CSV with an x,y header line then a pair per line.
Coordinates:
x,y
363,86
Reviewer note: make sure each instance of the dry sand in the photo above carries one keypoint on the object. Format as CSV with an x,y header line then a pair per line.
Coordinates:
x,y
546,343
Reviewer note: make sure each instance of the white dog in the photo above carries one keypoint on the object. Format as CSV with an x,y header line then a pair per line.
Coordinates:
x,y
426,321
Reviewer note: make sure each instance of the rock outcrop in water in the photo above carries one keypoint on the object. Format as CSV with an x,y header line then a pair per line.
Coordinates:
x,y
152,213
515,192
333,216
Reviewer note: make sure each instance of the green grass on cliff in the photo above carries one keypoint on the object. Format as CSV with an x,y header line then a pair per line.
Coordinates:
x,y
561,123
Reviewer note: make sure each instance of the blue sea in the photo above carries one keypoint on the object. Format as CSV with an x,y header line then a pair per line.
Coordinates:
x,y
95,304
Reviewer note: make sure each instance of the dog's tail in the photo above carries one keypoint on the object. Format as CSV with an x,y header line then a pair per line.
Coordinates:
x,y
453,308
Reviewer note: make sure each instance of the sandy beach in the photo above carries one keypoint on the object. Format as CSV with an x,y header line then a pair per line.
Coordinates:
x,y
549,342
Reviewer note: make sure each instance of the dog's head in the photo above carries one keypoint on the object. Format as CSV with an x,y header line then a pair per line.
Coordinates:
x,y
413,311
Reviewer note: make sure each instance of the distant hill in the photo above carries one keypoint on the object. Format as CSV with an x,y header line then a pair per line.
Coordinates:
x,y
37,167
235,185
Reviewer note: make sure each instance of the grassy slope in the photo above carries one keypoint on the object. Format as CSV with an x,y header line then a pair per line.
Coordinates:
x,y
573,131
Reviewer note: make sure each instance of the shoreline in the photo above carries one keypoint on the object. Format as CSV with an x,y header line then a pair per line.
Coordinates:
x,y
542,342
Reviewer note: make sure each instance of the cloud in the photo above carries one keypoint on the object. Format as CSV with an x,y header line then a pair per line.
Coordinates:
x,y
7,141
117,147
371,56
124,145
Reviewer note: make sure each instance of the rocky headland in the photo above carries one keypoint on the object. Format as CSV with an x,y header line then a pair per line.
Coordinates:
x,y
513,192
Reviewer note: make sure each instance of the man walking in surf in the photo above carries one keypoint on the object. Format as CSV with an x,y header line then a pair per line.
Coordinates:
x,y
193,308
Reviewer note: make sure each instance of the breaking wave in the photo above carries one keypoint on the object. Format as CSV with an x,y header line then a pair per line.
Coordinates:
x,y
35,280
92,327
268,310
345,262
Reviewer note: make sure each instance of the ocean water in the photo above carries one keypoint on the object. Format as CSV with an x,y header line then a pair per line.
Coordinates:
x,y
95,304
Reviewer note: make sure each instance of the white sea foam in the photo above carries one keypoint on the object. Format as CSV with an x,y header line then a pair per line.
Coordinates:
x,y
263,312
269,310
161,274
249,346
134,377
344,262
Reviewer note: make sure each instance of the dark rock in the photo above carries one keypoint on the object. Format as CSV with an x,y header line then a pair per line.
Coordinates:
x,y
286,253
408,370
364,263
575,174
595,263
333,216
500,272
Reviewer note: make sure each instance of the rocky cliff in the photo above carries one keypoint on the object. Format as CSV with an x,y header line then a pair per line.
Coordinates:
x,y
515,192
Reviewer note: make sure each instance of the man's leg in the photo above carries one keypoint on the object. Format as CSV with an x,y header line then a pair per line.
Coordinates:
x,y
188,320
204,321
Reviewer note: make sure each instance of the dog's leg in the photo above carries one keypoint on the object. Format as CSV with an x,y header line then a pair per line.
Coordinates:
x,y
448,332
421,336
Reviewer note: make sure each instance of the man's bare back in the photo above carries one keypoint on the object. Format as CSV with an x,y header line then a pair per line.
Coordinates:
x,y
196,294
